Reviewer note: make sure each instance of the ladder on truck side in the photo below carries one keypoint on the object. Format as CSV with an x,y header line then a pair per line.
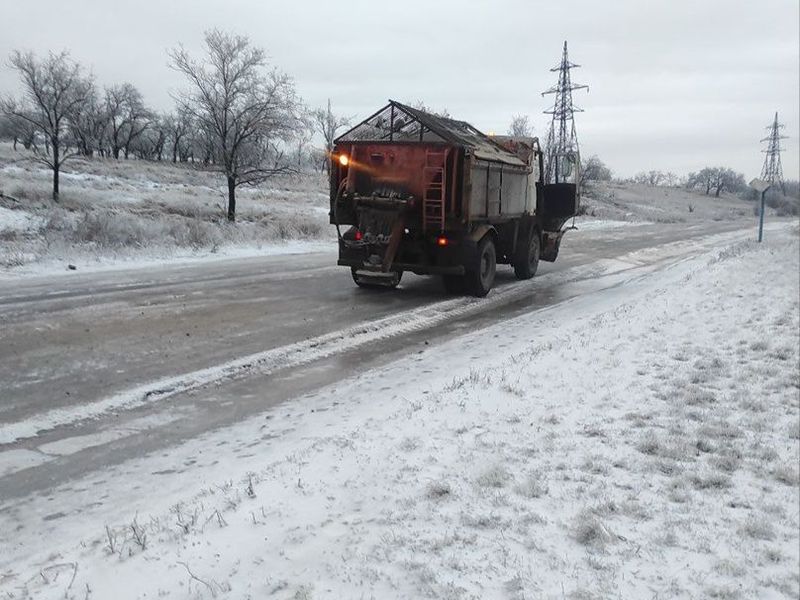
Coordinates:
x,y
434,195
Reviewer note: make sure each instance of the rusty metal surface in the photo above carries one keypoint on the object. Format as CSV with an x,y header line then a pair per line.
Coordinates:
x,y
524,147
399,172
398,122
389,170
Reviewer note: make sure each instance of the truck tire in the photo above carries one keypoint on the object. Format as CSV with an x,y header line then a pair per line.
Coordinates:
x,y
480,276
376,283
526,261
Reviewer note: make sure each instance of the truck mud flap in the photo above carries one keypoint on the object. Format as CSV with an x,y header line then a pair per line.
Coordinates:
x,y
551,243
394,242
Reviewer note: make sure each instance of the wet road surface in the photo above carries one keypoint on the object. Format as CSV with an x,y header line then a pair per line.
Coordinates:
x,y
74,339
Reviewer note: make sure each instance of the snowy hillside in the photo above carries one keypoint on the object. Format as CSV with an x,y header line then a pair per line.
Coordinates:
x,y
662,204
118,211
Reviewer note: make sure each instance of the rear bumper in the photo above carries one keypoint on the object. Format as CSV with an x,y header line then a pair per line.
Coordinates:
x,y
418,269
420,256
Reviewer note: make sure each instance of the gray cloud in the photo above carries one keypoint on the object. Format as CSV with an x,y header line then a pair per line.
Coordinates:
x,y
674,85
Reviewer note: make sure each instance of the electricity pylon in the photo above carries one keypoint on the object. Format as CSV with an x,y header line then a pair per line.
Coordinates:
x,y
772,171
561,151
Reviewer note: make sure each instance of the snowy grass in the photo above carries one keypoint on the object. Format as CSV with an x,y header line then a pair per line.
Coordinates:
x,y
647,450
642,203
115,210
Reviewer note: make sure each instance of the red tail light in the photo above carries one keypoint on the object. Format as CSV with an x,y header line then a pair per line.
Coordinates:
x,y
358,235
441,241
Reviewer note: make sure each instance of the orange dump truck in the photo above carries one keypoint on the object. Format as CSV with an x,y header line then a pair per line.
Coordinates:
x,y
413,191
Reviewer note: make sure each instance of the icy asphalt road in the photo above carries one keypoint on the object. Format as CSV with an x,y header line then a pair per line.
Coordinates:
x,y
99,368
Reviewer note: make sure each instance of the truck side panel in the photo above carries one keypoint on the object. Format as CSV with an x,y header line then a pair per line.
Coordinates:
x,y
500,191
514,192
477,199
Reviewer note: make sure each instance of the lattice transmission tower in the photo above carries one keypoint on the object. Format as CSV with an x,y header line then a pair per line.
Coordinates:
x,y
561,150
772,171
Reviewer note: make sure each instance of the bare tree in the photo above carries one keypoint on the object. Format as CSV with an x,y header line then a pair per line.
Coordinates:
x,y
653,178
302,149
88,125
593,169
328,124
320,159
246,109
150,144
128,117
20,131
137,120
54,88
7,129
700,180
717,180
520,126
178,127
115,98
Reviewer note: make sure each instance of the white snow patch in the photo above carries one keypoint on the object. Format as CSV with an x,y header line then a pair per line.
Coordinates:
x,y
588,224
176,259
18,459
18,220
73,444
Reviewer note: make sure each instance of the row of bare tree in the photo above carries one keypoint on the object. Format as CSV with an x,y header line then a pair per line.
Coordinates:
x,y
238,115
716,180
710,180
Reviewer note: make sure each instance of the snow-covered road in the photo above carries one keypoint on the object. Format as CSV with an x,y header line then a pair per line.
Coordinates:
x,y
545,469
85,358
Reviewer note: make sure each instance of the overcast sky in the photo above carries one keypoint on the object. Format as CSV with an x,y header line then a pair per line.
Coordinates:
x,y
674,84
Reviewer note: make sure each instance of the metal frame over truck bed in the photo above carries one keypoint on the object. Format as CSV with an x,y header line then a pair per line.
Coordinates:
x,y
431,195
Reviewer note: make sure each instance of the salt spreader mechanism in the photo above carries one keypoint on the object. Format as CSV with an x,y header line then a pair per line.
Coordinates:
x,y
413,191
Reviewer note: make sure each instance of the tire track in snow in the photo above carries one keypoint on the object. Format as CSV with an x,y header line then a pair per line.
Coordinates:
x,y
301,353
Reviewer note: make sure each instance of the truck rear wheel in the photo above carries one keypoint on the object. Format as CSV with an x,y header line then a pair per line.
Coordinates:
x,y
480,277
526,261
377,281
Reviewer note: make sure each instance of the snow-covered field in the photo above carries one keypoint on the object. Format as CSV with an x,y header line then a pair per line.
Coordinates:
x,y
637,203
132,212
638,442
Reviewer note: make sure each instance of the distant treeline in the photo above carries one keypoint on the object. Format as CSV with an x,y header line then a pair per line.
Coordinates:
x,y
711,181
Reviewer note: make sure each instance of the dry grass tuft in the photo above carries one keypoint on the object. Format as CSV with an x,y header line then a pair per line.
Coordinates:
x,y
534,486
696,396
759,528
588,530
495,476
438,490
710,481
788,473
